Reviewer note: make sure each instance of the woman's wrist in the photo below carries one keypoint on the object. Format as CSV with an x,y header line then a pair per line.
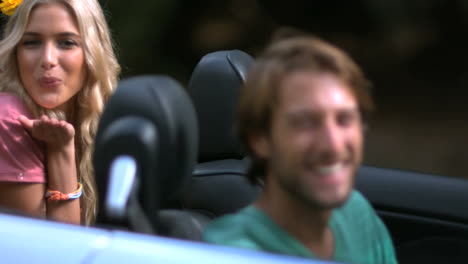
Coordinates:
x,y
61,168
61,149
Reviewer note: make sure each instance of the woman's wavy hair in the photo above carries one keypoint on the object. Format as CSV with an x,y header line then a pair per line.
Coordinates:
x,y
102,76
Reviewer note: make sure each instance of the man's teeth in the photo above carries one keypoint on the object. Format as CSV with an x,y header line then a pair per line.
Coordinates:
x,y
330,169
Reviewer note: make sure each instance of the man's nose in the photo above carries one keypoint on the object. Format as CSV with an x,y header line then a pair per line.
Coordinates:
x,y
49,56
331,141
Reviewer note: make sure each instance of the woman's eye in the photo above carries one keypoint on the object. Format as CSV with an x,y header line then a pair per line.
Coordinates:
x,y
31,43
67,43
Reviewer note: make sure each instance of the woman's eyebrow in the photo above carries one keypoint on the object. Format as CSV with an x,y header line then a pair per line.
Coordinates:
x,y
31,34
61,34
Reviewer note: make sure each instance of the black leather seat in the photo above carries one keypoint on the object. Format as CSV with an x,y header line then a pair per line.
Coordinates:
x,y
214,88
150,122
218,185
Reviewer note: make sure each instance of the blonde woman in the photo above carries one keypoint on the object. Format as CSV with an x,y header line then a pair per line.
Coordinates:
x,y
57,69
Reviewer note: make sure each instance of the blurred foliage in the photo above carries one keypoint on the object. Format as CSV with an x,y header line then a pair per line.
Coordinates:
x,y
414,52
138,30
170,36
405,47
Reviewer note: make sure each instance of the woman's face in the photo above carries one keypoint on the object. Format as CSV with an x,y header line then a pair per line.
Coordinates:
x,y
50,57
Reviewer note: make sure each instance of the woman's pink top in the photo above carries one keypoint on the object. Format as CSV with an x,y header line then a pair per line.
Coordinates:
x,y
21,156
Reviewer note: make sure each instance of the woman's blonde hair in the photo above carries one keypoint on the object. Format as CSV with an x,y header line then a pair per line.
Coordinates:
x,y
102,76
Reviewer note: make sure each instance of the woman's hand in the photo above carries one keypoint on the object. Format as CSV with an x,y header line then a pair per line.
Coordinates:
x,y
53,132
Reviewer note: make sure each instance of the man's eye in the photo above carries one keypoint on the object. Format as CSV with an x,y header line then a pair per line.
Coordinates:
x,y
347,119
304,123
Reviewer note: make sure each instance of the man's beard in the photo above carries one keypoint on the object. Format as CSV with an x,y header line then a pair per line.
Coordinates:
x,y
310,198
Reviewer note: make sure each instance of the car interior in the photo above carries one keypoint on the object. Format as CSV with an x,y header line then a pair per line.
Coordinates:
x,y
426,214
218,175
152,120
148,146
169,163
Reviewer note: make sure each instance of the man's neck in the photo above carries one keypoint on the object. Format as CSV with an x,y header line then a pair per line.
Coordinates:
x,y
308,225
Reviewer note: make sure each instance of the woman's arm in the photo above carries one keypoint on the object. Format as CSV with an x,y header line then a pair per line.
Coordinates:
x,y
61,165
24,197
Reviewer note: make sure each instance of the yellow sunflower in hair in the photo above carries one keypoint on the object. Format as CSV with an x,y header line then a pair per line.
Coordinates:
x,y
8,7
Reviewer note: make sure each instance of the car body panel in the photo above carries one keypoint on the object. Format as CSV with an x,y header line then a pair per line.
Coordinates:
x,y
26,240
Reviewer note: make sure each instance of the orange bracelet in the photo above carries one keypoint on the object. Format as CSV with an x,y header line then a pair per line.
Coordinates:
x,y
58,196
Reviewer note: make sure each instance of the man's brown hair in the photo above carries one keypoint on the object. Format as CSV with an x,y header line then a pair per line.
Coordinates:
x,y
259,95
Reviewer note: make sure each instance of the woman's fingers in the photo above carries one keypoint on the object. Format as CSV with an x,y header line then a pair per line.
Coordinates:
x,y
48,129
26,122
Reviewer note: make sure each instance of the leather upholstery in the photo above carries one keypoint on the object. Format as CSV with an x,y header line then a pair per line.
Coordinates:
x,y
218,185
214,88
164,104
187,224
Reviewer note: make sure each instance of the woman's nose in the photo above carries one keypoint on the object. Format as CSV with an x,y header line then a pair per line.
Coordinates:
x,y
49,56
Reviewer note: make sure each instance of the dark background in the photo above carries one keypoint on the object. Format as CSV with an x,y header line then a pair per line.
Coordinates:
x,y
414,52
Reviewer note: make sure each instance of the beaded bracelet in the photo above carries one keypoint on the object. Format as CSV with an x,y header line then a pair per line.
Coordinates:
x,y
58,196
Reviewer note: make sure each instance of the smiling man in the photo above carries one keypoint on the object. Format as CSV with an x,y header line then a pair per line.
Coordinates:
x,y
301,118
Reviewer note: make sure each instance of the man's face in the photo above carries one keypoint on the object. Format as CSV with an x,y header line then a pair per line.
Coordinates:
x,y
315,142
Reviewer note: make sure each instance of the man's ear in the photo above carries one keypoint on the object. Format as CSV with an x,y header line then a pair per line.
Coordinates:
x,y
260,145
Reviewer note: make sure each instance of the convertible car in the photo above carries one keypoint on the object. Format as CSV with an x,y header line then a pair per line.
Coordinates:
x,y
167,163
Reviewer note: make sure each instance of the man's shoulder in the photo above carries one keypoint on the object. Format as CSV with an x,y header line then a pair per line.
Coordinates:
x,y
357,219
233,229
356,197
357,211
356,204
361,233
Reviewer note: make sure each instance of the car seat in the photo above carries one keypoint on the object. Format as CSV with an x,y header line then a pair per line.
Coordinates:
x,y
218,185
145,151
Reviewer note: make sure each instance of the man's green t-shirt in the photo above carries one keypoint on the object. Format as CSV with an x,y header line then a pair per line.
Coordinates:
x,y
359,234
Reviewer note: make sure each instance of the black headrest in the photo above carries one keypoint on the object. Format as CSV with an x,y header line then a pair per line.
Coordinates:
x,y
163,104
214,88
